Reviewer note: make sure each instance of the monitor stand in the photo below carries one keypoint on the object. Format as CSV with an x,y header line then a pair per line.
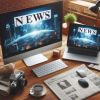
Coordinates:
x,y
36,59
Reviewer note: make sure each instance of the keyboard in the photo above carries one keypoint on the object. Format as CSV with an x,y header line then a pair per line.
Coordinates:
x,y
49,68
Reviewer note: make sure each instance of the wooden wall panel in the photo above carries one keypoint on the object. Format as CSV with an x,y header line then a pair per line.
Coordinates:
x,y
84,15
13,5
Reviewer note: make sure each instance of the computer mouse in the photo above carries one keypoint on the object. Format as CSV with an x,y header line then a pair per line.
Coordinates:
x,y
83,83
81,73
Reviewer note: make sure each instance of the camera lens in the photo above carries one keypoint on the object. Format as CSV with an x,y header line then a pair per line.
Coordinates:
x,y
13,85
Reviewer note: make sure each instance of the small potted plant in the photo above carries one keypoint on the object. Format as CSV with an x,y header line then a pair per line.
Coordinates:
x,y
68,19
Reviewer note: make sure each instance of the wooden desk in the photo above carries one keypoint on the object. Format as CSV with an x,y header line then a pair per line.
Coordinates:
x,y
32,79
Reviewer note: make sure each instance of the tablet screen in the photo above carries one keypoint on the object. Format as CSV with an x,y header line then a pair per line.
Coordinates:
x,y
83,36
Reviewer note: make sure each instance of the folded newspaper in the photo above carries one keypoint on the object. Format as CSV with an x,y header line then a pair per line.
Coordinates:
x,y
66,85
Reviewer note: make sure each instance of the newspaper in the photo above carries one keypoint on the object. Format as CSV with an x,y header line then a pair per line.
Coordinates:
x,y
66,85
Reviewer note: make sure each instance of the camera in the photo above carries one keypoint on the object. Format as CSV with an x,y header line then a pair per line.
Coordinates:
x,y
17,81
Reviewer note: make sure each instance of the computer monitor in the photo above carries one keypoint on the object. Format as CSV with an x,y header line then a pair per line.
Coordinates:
x,y
30,31
84,37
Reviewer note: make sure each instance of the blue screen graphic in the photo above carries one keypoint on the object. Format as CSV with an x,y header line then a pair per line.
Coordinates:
x,y
83,36
30,29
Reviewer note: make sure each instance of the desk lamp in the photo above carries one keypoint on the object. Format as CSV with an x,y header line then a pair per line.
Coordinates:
x,y
95,9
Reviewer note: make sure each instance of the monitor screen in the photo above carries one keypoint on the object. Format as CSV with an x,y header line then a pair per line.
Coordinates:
x,y
31,30
83,36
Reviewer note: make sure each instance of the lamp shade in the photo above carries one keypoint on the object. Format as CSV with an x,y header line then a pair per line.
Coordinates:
x,y
95,8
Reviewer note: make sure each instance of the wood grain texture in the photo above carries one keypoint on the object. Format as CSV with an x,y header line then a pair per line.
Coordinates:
x,y
13,5
82,12
32,79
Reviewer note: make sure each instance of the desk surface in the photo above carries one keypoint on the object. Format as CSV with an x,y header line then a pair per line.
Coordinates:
x,y
32,79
